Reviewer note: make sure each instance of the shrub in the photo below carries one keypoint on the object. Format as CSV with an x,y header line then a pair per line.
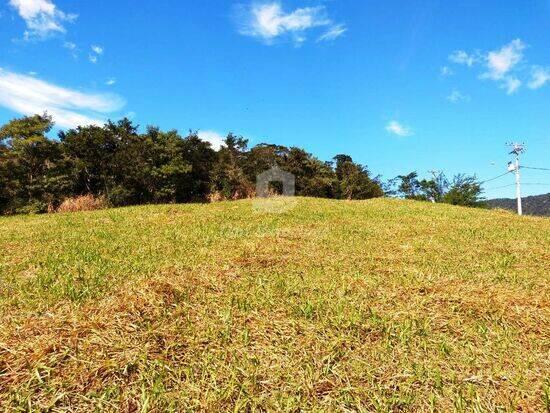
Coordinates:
x,y
82,203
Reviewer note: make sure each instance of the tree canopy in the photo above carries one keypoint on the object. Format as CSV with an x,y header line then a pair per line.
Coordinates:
x,y
126,167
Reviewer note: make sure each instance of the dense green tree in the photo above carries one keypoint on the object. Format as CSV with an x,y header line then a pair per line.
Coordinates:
x,y
127,167
434,189
169,170
31,166
313,177
354,181
201,159
90,150
229,178
464,190
408,186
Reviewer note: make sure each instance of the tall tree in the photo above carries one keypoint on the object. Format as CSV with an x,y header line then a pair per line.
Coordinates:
x,y
201,158
408,186
354,180
229,178
466,191
31,165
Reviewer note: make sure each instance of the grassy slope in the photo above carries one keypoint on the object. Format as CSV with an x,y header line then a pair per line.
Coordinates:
x,y
374,305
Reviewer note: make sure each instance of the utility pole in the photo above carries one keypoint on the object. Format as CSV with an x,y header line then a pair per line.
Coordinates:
x,y
517,149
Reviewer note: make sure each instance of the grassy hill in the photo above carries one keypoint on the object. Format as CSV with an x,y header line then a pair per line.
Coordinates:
x,y
379,305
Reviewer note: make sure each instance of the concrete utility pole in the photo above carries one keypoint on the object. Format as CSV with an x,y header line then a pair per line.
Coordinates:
x,y
517,149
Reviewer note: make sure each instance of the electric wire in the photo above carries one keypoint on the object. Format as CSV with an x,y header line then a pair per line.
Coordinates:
x,y
499,187
532,167
496,177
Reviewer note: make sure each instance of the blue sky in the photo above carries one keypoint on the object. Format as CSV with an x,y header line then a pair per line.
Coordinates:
x,y
399,85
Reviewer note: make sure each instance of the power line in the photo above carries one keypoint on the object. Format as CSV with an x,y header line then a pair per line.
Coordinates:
x,y
496,177
499,187
523,183
539,169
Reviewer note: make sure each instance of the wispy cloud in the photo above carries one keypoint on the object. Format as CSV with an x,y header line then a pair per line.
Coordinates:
x,y
42,17
511,84
539,77
398,129
95,52
462,58
456,96
268,21
446,71
111,81
333,33
69,45
215,139
505,66
28,95
97,49
72,48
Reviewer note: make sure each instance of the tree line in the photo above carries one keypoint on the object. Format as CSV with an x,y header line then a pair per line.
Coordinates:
x,y
125,167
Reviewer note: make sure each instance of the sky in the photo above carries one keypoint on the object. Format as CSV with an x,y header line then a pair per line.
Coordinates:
x,y
398,85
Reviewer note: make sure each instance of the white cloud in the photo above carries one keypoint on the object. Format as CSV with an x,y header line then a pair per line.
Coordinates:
x,y
463,58
268,21
502,61
333,33
72,48
456,96
97,49
539,77
215,139
69,45
42,17
503,66
396,128
28,95
446,71
511,84
111,81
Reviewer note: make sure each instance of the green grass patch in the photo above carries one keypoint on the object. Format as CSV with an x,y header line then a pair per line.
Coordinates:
x,y
378,305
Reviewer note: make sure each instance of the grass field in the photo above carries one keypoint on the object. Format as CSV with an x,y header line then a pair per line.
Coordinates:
x,y
379,305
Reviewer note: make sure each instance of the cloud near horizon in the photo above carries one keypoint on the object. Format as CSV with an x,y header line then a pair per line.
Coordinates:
x,y
214,138
69,108
268,21
42,17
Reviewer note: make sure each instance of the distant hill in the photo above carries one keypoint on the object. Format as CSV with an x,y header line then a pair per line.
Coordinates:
x,y
532,205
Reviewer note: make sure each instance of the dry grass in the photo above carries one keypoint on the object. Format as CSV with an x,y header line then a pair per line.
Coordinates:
x,y
380,305
82,203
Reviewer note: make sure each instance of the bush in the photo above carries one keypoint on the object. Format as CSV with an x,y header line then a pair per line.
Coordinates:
x,y
82,203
